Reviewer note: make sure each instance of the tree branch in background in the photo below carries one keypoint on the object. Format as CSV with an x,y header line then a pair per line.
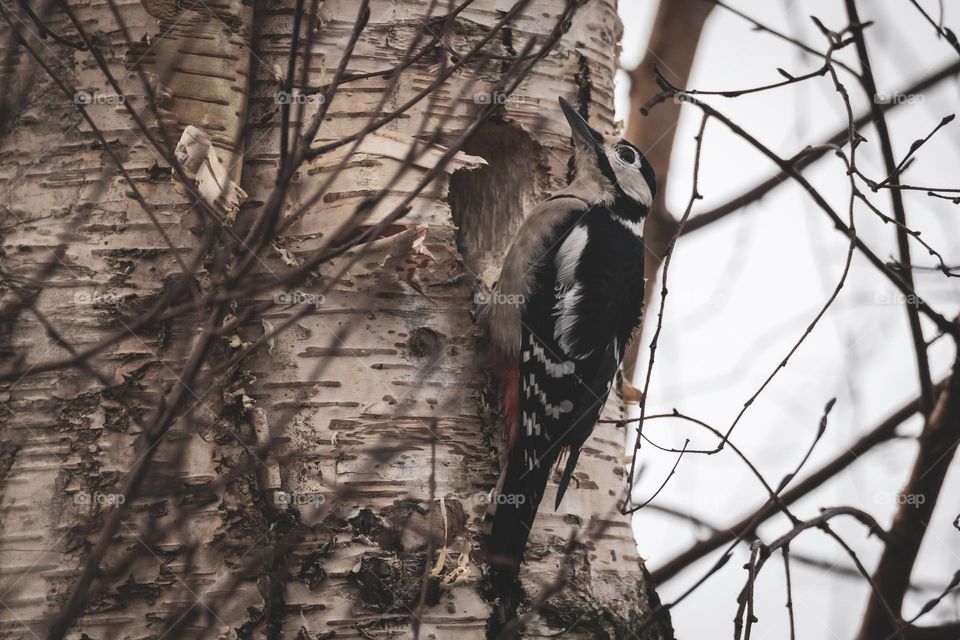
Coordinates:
x,y
812,154
626,506
785,165
884,432
938,445
899,213
892,579
673,43
826,566
942,31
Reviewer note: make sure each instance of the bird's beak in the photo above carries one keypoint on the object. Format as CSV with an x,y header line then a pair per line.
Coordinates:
x,y
583,133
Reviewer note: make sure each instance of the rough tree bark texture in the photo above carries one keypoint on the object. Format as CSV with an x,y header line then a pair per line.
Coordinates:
x,y
390,357
67,439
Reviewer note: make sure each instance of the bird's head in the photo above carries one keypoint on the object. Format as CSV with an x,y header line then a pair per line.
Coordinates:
x,y
614,169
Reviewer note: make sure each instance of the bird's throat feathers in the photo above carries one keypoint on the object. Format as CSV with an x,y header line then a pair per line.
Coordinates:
x,y
599,180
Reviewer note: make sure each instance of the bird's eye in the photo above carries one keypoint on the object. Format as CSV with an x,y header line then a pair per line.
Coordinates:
x,y
627,154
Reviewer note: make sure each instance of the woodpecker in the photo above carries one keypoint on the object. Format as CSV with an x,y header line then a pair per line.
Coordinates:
x,y
569,295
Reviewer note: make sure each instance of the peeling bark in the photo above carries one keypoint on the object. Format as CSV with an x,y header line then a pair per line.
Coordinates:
x,y
347,539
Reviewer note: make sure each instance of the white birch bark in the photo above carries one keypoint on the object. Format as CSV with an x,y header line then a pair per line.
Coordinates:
x,y
390,356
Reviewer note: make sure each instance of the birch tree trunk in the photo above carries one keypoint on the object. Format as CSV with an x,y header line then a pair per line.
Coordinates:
x,y
336,481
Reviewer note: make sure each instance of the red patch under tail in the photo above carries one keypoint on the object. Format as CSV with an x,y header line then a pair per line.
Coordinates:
x,y
508,373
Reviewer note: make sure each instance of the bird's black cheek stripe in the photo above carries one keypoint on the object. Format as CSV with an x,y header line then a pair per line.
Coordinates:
x,y
628,207
605,169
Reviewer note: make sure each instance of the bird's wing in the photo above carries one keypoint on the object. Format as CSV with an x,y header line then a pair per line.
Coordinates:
x,y
541,379
561,392
534,242
593,392
561,396
573,333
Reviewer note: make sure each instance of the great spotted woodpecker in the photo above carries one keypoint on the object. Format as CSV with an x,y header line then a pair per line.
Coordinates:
x,y
569,295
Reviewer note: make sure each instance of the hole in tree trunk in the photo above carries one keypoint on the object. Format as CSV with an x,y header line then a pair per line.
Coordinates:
x,y
488,204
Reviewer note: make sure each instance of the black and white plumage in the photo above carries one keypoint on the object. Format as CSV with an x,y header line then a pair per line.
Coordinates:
x,y
576,268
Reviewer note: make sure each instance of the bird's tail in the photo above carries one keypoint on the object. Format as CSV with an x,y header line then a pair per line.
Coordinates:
x,y
516,508
567,474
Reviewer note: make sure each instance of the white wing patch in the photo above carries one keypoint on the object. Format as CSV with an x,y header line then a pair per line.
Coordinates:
x,y
568,255
531,243
569,290
565,312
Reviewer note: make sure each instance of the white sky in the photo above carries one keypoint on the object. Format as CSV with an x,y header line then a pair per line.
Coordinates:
x,y
743,290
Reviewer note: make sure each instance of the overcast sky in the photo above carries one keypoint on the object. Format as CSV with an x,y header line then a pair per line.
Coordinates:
x,y
743,290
